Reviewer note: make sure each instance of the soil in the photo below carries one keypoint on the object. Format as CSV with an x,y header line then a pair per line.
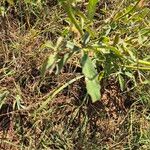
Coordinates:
x,y
69,107
71,113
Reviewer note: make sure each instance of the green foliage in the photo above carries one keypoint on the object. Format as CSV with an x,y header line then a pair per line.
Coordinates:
x,y
67,6
91,78
91,8
48,63
101,40
113,52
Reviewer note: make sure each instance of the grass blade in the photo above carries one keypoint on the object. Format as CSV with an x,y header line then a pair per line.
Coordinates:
x,y
69,10
91,8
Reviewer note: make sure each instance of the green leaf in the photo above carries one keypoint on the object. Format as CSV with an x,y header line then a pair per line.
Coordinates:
x,y
145,31
101,75
72,46
121,82
58,43
91,8
68,8
48,44
86,38
131,76
93,89
63,61
88,68
116,39
48,63
91,78
128,10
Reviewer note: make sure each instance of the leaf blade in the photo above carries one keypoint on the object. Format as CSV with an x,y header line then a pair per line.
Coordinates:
x,y
91,78
91,8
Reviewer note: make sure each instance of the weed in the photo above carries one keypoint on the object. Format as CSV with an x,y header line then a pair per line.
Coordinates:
x,y
74,74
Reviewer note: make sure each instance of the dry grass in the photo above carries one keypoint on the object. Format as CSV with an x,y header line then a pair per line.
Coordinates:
x,y
70,120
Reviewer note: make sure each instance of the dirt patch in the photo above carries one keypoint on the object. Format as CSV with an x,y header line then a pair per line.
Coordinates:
x,y
71,109
70,112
